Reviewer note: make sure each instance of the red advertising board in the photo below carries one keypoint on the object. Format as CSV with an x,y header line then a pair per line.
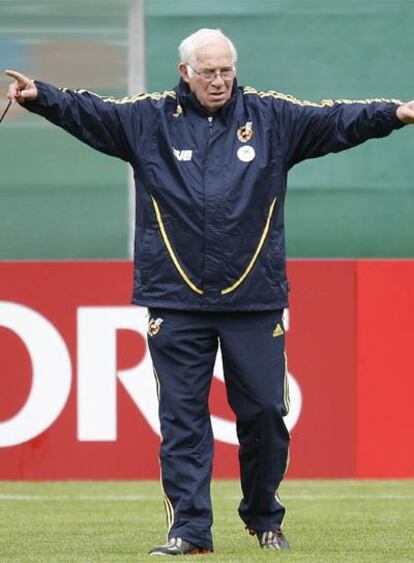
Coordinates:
x,y
385,369
321,352
78,400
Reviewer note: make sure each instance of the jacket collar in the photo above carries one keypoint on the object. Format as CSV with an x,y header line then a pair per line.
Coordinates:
x,y
188,102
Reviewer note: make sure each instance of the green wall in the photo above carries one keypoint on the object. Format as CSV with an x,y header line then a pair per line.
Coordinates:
x,y
59,199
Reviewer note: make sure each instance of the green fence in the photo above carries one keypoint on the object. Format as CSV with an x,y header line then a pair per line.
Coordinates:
x,y
60,199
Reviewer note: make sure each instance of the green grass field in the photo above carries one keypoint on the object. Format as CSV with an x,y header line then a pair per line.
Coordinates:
x,y
119,521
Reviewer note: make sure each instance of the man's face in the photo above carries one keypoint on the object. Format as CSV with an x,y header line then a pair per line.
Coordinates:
x,y
212,94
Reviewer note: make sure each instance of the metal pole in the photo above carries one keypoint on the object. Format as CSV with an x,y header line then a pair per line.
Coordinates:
x,y
136,83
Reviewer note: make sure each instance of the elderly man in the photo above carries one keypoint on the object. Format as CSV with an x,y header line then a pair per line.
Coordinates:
x,y
210,161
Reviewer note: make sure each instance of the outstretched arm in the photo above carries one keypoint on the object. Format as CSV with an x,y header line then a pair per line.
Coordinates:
x,y
332,126
102,123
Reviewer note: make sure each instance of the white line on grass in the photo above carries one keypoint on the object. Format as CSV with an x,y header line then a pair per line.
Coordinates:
x,y
122,498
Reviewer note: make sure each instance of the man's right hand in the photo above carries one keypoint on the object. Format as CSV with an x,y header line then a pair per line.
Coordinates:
x,y
22,89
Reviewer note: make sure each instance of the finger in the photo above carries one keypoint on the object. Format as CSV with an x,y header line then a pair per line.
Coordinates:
x,y
13,93
24,95
21,78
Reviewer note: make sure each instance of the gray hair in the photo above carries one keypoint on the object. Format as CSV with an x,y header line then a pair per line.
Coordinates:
x,y
201,38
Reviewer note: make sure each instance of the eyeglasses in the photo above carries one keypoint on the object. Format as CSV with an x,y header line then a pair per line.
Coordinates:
x,y
209,74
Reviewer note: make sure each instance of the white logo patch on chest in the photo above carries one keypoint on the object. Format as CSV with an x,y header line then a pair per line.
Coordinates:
x,y
246,153
185,154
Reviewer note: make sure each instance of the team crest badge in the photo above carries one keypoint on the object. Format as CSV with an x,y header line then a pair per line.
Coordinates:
x,y
245,132
154,326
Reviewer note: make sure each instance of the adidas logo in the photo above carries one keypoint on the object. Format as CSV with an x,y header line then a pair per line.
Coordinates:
x,y
278,331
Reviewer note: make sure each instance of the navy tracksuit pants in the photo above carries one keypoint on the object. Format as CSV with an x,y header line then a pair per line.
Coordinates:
x,y
183,346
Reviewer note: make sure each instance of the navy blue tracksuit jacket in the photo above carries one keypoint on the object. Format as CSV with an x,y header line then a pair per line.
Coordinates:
x,y
210,190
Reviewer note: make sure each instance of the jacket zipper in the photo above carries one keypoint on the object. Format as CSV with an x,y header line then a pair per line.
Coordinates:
x,y
210,127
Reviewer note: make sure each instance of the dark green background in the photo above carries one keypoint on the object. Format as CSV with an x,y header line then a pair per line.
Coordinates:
x,y
60,199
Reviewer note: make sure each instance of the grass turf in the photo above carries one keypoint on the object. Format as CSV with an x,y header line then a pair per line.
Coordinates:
x,y
119,521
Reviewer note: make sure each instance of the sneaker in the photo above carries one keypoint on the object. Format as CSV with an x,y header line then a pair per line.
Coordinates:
x,y
177,546
274,539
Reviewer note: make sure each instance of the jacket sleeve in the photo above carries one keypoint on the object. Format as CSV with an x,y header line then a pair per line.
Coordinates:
x,y
315,130
105,124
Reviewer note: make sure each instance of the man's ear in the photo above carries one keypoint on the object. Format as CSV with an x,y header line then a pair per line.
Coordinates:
x,y
182,69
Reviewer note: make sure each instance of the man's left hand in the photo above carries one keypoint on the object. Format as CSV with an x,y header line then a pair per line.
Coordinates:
x,y
405,113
